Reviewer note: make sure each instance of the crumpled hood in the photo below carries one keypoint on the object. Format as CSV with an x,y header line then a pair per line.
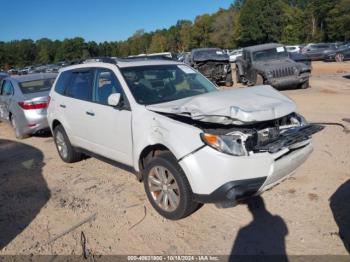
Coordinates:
x,y
232,106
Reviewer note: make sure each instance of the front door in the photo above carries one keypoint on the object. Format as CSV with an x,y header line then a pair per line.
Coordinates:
x,y
111,134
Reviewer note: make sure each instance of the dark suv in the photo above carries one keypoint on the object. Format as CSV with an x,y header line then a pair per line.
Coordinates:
x,y
270,64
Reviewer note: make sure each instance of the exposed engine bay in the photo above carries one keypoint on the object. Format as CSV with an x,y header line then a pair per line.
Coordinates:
x,y
267,136
216,71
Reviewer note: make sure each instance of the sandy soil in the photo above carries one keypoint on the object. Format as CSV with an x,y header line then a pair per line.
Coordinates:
x,y
41,197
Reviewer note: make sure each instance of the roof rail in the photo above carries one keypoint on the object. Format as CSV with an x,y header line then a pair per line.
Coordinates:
x,y
102,59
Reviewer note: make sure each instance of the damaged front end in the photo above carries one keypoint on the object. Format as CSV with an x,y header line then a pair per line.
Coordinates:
x,y
288,132
215,71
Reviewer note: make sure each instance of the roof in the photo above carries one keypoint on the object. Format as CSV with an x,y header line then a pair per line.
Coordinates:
x,y
261,47
123,63
31,77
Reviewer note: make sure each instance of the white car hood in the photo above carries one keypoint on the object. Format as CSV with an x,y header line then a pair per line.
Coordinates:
x,y
231,106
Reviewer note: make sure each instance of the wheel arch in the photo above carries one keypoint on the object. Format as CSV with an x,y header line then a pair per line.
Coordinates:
x,y
55,123
148,153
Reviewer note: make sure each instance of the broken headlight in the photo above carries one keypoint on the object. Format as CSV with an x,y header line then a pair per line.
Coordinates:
x,y
302,121
232,144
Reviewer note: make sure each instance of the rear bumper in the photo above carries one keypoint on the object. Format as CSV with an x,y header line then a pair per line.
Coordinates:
x,y
32,122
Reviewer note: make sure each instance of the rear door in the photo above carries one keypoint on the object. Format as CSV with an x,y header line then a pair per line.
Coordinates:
x,y
74,104
110,127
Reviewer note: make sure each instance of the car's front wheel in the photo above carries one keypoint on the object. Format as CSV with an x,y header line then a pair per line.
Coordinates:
x,y
65,149
167,187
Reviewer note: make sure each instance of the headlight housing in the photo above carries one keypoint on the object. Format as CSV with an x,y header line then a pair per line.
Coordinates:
x,y
231,144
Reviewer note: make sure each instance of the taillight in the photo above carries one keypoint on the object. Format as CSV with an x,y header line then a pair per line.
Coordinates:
x,y
33,105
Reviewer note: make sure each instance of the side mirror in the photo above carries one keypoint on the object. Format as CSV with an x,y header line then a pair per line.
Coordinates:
x,y
114,99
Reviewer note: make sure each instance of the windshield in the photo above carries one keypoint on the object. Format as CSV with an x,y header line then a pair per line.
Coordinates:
x,y
270,54
164,83
34,86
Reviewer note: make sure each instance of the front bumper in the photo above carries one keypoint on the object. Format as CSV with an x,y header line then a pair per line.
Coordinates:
x,y
289,81
216,177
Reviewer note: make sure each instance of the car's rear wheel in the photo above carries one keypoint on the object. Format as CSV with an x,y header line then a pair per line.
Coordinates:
x,y
167,187
65,149
339,57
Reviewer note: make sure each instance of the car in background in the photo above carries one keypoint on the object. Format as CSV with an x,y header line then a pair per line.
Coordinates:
x,y
293,48
213,63
300,58
3,75
52,68
235,54
270,64
340,54
317,51
24,101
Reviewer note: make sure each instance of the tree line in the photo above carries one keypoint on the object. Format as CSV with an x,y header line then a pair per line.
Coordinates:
x,y
244,23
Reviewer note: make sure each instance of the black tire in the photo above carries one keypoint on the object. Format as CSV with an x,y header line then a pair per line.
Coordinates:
x,y
229,81
259,80
72,155
186,205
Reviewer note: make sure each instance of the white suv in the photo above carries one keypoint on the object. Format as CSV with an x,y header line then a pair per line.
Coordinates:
x,y
187,141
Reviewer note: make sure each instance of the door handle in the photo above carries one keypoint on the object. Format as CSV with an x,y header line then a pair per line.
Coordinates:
x,y
63,106
90,113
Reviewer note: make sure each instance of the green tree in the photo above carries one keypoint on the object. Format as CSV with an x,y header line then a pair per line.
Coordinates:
x,y
261,21
158,43
201,31
338,21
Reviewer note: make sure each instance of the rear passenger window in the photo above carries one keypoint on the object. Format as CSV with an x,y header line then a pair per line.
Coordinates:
x,y
63,82
106,84
80,86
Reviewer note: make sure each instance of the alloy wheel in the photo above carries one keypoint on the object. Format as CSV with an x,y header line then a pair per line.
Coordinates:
x,y
164,188
61,145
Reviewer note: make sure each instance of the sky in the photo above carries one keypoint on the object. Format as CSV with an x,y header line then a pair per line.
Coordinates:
x,y
95,20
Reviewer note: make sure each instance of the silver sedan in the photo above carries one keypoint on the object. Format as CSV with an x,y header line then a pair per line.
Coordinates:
x,y
24,101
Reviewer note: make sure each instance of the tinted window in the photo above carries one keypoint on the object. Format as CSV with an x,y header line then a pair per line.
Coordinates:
x,y
270,54
35,86
106,83
80,85
7,88
163,83
62,82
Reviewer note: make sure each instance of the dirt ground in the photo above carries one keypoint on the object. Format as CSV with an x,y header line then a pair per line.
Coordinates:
x,y
41,197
